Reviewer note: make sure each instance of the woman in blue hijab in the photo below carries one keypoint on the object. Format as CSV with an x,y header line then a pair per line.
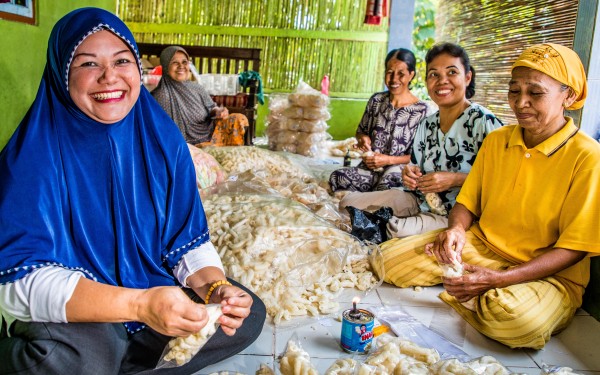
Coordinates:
x,y
103,232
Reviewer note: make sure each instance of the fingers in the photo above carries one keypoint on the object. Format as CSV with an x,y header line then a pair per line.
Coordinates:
x,y
429,249
426,184
235,310
469,267
228,331
169,310
411,171
182,322
447,247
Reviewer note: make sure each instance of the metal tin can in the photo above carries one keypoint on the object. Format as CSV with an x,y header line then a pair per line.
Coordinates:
x,y
357,330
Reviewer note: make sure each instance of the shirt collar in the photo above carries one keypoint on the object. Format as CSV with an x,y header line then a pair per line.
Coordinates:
x,y
550,145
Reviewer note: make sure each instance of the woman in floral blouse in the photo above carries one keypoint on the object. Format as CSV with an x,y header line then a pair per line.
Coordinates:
x,y
386,130
444,148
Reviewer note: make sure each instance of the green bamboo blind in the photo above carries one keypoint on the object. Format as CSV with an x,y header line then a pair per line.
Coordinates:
x,y
495,32
300,39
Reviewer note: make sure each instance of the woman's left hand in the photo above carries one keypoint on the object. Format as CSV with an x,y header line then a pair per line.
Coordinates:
x,y
477,281
435,182
235,304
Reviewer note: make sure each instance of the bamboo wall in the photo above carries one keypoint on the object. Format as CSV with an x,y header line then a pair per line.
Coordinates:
x,y
495,32
300,39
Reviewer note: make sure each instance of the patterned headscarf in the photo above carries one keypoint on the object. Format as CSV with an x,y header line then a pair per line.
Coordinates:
x,y
115,201
167,54
187,102
560,63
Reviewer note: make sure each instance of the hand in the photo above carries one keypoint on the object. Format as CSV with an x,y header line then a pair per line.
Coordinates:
x,y
168,310
410,176
235,304
478,281
448,246
364,142
435,182
221,112
375,160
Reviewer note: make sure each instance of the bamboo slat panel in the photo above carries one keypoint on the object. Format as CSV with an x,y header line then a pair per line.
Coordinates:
x,y
354,66
495,32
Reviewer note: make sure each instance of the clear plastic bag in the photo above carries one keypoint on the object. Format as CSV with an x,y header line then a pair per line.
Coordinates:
x,y
239,159
407,327
295,360
306,96
208,170
306,111
180,350
295,261
557,370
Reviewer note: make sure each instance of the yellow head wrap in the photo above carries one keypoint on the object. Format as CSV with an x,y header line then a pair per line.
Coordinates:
x,y
560,63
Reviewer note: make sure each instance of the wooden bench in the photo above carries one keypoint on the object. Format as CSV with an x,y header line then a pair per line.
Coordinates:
x,y
221,60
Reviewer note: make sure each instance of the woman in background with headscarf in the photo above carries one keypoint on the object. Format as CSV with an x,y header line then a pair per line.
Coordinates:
x,y
102,224
526,220
199,119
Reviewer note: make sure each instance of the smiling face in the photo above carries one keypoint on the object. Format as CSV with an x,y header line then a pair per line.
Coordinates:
x,y
397,76
537,100
447,80
179,67
104,79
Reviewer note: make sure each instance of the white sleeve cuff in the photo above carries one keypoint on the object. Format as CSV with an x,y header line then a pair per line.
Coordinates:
x,y
203,256
41,296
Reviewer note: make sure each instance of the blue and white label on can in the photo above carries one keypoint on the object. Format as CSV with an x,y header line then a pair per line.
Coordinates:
x,y
357,330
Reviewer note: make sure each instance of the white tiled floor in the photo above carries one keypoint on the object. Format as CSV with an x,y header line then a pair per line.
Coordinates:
x,y
577,347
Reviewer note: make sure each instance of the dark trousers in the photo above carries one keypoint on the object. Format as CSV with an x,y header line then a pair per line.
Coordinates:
x,y
106,348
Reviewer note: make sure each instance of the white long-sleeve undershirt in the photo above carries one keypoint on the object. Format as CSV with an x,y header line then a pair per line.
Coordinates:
x,y
42,295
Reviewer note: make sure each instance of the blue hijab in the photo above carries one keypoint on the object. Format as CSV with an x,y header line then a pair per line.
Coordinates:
x,y
117,202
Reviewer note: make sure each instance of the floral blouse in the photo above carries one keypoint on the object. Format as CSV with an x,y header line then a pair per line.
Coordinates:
x,y
391,130
454,151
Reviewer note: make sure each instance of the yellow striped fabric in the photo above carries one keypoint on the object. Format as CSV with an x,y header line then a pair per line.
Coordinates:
x,y
406,263
522,315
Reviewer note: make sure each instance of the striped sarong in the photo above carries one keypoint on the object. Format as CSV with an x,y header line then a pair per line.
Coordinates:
x,y
519,316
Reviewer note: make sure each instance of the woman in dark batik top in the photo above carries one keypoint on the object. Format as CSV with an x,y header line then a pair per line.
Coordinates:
x,y
387,129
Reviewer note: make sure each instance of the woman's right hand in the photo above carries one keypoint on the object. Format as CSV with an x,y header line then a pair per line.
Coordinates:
x,y
168,310
448,246
364,142
410,176
221,112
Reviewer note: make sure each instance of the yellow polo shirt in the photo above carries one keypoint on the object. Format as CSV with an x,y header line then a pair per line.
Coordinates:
x,y
529,200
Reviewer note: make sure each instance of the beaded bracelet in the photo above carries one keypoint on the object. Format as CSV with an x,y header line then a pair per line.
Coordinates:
x,y
213,287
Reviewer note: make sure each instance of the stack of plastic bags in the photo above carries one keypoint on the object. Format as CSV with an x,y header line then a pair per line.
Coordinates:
x,y
298,123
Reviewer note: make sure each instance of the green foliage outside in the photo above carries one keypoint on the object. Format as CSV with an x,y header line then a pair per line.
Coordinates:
x,y
423,40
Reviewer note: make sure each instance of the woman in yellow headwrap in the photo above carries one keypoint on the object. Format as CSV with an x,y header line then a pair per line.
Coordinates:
x,y
526,221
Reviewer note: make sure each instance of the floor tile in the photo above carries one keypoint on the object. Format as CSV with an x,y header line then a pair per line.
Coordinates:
x,y
577,347
426,296
264,344
244,364
524,370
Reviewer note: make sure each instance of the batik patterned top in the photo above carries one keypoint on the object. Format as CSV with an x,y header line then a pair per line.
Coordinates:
x,y
455,150
391,130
